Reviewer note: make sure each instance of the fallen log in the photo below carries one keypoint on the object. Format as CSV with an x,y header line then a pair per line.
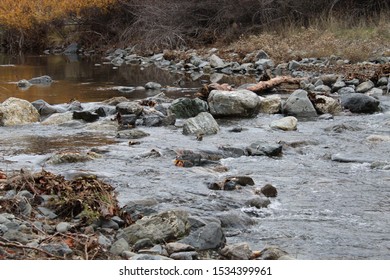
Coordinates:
x,y
265,85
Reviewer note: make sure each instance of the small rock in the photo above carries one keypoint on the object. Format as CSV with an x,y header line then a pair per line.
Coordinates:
x,y
175,247
119,246
264,149
258,202
184,256
63,227
142,244
365,86
240,251
59,249
153,86
269,191
203,123
132,134
286,124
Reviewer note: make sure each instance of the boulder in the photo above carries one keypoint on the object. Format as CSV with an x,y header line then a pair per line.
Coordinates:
x,y
15,111
238,103
185,107
360,103
298,104
58,118
85,116
260,148
45,109
129,107
162,227
286,123
203,123
271,105
207,237
327,105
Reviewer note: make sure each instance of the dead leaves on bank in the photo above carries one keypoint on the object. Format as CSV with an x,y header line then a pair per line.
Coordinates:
x,y
87,197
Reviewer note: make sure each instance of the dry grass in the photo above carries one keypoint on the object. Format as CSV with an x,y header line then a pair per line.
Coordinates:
x,y
324,38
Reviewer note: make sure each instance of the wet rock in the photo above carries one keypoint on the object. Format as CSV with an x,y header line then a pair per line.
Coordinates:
x,y
269,191
85,116
339,128
207,237
24,84
116,100
327,105
235,219
126,121
43,80
119,246
298,104
58,118
240,251
258,202
72,157
152,86
129,107
185,108
286,123
242,180
45,109
110,224
264,149
188,158
240,103
360,103
203,123
15,111
378,138
350,158
140,208
165,226
132,134
365,86
271,105
158,119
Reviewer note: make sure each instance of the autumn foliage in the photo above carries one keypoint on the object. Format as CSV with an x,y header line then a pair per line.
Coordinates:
x,y
24,14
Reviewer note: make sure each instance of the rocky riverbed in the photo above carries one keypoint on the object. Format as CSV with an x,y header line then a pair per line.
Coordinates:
x,y
300,171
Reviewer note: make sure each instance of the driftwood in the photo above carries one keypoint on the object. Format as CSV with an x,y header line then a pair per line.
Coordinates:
x,y
265,85
205,91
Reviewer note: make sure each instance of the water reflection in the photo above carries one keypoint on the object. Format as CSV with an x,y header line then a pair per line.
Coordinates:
x,y
88,79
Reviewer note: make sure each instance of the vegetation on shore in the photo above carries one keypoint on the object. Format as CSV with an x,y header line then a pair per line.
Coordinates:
x,y
353,29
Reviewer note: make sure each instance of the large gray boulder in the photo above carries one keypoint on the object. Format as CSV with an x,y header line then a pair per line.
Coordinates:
x,y
298,105
162,227
185,107
238,103
360,103
15,111
203,123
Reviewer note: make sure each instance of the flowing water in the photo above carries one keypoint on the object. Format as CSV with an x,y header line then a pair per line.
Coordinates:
x,y
325,209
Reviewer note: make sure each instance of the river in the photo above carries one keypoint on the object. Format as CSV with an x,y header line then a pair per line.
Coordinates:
x,y
333,178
